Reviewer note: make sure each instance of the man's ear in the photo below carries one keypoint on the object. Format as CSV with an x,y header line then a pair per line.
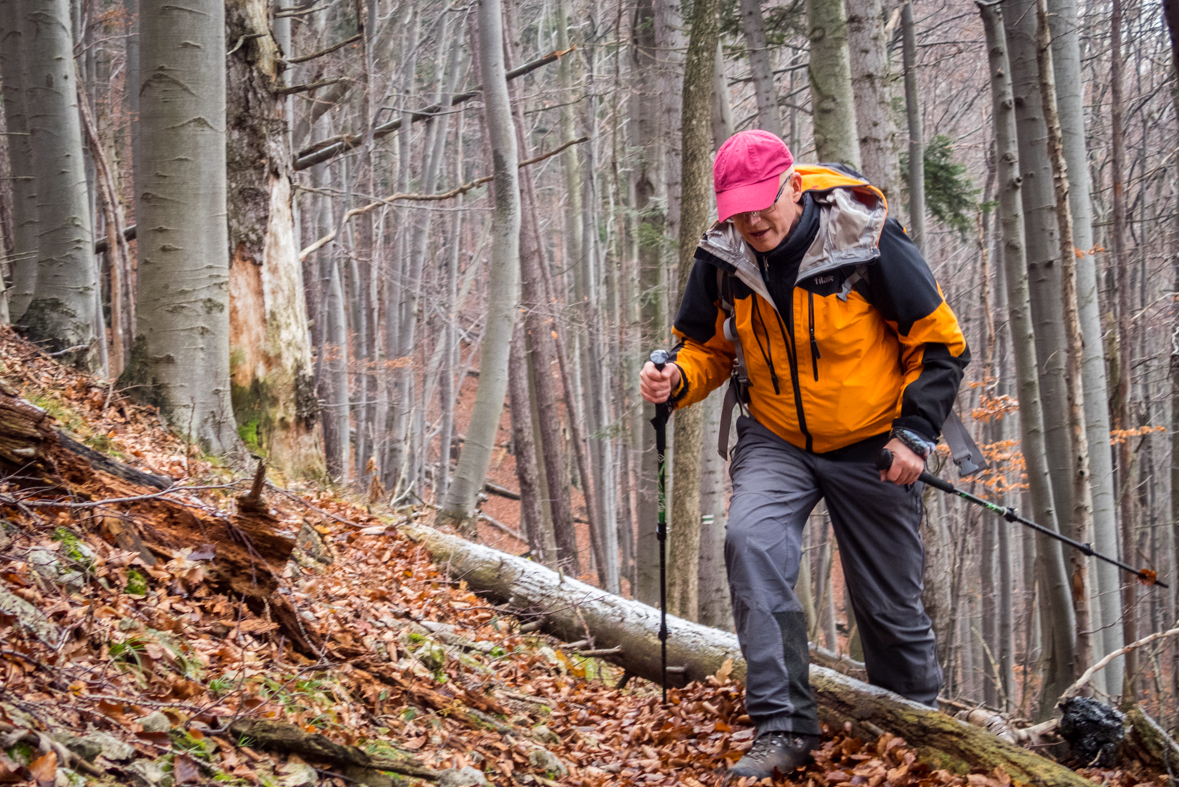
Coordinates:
x,y
796,186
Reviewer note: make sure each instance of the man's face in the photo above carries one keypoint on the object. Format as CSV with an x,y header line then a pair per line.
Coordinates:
x,y
765,229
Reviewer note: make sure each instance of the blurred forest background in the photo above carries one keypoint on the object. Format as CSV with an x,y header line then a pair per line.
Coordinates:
x,y
421,249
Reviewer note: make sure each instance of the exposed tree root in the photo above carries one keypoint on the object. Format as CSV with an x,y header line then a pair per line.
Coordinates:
x,y
281,736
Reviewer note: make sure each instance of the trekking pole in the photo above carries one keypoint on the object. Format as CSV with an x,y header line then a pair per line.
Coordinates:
x,y
1145,576
662,413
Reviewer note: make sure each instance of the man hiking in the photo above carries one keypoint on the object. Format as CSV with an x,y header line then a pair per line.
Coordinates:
x,y
840,345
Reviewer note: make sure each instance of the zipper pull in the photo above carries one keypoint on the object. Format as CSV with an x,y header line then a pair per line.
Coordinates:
x,y
774,380
814,343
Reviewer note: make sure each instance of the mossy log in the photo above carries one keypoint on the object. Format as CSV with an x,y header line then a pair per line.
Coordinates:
x,y
573,610
249,551
1148,743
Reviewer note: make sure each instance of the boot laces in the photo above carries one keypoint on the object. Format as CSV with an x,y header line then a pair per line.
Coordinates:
x,y
770,742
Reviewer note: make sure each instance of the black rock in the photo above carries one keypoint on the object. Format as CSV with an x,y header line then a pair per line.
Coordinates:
x,y
1093,731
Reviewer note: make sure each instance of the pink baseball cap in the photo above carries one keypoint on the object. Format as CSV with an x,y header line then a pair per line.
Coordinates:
x,y
745,173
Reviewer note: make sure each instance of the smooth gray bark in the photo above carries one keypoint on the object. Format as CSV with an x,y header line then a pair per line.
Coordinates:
x,y
871,86
832,99
650,204
696,208
337,416
1066,59
722,110
916,134
448,55
450,327
671,40
20,158
1081,513
504,279
716,608
181,350
1043,242
1055,596
527,474
63,310
558,540
761,67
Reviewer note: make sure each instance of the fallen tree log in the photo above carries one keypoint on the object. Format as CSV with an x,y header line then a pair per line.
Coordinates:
x,y
573,610
148,514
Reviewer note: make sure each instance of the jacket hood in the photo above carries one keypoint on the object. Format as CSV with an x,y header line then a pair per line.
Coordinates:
x,y
851,218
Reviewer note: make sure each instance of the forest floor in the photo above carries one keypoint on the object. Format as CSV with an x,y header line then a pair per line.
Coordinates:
x,y
115,671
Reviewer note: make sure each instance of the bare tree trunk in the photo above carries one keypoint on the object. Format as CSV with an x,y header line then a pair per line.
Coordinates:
x,y
1066,60
671,42
1121,394
916,133
832,99
722,110
871,78
649,188
61,315
716,608
1043,246
117,251
531,518
761,67
503,285
446,393
336,423
595,371
1081,524
538,323
13,73
1171,12
400,392
273,385
182,138
1056,592
419,254
696,206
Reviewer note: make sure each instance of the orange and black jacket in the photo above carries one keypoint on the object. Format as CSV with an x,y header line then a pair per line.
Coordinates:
x,y
845,332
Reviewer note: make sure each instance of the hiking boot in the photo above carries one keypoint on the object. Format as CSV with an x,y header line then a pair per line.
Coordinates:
x,y
774,751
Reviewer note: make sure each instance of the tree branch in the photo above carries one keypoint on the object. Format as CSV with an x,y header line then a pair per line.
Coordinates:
x,y
322,52
1073,690
319,152
463,189
288,91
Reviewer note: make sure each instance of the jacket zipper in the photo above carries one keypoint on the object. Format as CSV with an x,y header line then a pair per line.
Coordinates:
x,y
787,327
814,344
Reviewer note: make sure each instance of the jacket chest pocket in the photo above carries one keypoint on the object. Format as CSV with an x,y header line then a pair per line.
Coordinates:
x,y
840,331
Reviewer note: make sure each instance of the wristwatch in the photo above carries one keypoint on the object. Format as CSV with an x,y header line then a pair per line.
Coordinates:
x,y
914,442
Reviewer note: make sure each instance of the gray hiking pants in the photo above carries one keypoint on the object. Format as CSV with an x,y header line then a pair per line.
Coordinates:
x,y
877,525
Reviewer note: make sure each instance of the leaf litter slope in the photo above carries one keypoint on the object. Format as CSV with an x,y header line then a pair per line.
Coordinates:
x,y
406,666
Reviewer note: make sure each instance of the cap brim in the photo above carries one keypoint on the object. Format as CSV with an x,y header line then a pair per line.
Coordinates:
x,y
756,196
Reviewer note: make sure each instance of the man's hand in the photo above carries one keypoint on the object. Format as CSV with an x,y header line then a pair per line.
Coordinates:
x,y
906,465
656,386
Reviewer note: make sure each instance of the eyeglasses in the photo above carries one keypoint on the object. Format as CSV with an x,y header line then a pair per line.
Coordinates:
x,y
753,215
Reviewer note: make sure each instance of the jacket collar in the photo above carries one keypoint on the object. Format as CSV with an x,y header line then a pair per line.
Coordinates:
x,y
851,218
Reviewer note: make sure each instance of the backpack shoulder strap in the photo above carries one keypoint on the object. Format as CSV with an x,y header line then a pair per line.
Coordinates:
x,y
965,451
738,391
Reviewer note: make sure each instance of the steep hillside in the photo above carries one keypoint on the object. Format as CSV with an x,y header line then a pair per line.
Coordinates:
x,y
166,620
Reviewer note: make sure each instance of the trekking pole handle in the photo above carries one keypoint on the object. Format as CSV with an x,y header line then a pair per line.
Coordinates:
x,y
661,358
884,462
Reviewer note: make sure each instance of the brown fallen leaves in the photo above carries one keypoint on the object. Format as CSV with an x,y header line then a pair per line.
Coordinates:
x,y
412,666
